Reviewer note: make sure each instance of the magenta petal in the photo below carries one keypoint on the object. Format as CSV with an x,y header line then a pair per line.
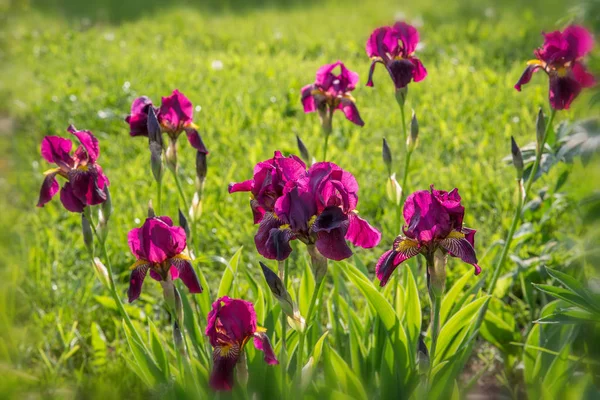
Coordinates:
x,y
582,76
360,233
333,245
176,109
563,90
56,150
383,41
426,218
408,35
526,76
401,72
390,260
272,241
331,218
579,39
221,377
419,72
69,200
348,78
236,319
187,274
308,101
262,343
325,77
138,119
349,109
89,143
49,189
136,281
371,70
460,248
245,186
196,140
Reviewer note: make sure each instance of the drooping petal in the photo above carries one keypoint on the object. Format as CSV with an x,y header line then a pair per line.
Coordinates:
x,y
401,72
69,200
186,273
272,238
526,76
225,357
563,90
582,76
402,250
419,72
195,140
308,101
360,233
89,143
459,246
333,244
262,343
331,218
350,110
86,186
244,186
408,35
49,189
136,280
371,70
176,109
56,150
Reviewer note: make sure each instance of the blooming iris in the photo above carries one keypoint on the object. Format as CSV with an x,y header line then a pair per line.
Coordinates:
x,y
231,323
317,207
434,221
331,92
560,57
174,115
393,46
158,247
85,180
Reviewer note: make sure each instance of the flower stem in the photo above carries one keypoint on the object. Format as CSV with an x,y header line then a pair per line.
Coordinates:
x,y
540,151
283,357
179,188
158,196
436,282
327,131
407,154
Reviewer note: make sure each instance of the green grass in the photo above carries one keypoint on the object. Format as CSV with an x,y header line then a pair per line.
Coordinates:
x,y
66,64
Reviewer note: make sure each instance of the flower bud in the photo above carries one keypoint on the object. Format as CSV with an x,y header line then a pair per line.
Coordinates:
x,y
171,154
517,158
387,156
196,209
151,213
394,190
88,235
154,130
107,207
540,129
156,160
422,356
101,272
184,224
303,150
411,141
201,169
283,297
401,95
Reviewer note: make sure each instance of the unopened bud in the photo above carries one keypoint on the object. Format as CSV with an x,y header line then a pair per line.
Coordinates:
x,y
394,190
517,158
101,271
279,290
107,206
387,156
401,95
171,154
422,356
540,129
196,209
88,234
151,213
201,169
156,160
303,150
184,223
102,226
414,132
318,263
154,131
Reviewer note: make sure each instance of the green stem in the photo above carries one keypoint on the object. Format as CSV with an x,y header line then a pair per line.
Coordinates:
x,y
407,154
158,196
179,188
436,305
325,143
283,358
540,151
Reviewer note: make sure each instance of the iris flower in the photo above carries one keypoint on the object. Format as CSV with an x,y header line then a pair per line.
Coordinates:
x,y
85,185
331,92
174,115
560,58
317,207
158,247
231,323
393,46
434,221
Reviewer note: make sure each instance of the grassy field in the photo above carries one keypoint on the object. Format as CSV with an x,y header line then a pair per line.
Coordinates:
x,y
242,65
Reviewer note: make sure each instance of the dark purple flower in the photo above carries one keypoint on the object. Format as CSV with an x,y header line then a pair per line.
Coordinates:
x,y
158,246
393,46
174,115
85,179
433,222
230,324
268,181
560,57
331,92
318,209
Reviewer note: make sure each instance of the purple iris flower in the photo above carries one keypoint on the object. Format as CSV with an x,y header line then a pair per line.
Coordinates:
x,y
85,180
317,207
231,323
158,247
331,92
434,221
174,115
393,46
560,57
267,184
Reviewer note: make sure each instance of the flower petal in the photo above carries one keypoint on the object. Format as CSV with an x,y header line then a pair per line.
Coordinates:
x,y
419,72
463,249
69,200
262,343
56,150
136,280
176,109
408,35
331,218
89,143
349,109
187,274
579,39
138,119
225,357
401,72
526,76
49,189
195,140
272,239
383,41
563,90
582,76
333,245
308,101
371,70
244,186
360,233
389,261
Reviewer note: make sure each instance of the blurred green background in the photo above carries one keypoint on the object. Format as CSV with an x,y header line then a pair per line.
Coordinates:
x,y
242,64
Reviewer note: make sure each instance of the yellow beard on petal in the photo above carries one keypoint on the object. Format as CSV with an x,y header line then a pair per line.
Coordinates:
x,y
456,235
405,245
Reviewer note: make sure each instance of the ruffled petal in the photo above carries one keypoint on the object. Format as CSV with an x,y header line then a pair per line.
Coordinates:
x,y
56,150
186,273
360,233
262,343
176,109
331,218
333,245
582,76
383,41
408,35
49,189
136,281
138,119
580,41
89,143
